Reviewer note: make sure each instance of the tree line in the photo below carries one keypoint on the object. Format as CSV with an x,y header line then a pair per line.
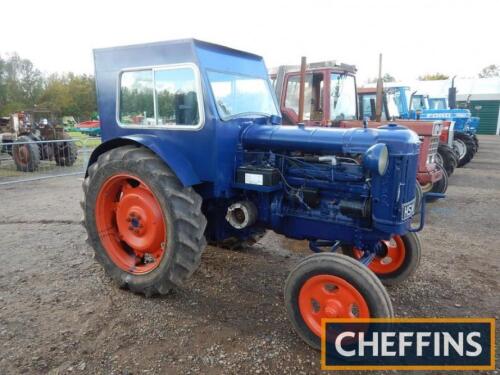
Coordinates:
x,y
23,86
487,72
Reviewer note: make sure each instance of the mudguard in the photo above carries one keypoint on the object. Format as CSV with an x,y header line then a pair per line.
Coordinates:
x,y
169,153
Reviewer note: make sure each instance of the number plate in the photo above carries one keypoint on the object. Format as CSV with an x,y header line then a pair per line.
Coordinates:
x,y
408,209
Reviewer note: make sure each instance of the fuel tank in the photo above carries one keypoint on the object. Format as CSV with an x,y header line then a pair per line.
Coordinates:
x,y
399,140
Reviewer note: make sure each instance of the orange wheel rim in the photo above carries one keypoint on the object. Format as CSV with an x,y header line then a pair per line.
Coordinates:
x,y
391,260
131,224
23,154
328,296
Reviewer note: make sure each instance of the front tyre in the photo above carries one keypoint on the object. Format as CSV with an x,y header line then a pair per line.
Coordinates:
x,y
439,186
398,260
329,285
145,227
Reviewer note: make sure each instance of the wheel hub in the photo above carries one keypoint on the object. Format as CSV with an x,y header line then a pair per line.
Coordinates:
x,y
137,216
329,296
461,148
390,256
23,154
333,308
132,222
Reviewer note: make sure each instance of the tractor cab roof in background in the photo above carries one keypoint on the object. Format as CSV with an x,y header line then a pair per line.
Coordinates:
x,y
367,90
330,64
373,90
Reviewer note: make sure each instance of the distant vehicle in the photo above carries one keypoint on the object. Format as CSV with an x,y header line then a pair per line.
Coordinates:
x,y
416,106
22,133
91,128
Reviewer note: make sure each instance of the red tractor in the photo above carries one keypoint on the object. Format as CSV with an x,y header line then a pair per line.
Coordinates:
x,y
329,98
34,135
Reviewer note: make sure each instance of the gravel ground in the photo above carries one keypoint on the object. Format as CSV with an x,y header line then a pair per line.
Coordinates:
x,y
59,313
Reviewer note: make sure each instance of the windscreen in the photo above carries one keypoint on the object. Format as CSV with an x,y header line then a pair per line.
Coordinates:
x,y
241,96
437,103
393,103
342,97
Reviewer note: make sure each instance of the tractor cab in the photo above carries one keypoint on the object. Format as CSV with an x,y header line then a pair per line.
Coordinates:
x,y
438,103
329,92
367,103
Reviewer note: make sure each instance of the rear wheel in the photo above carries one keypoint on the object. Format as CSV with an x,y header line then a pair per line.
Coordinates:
x,y
26,154
447,158
398,260
466,146
145,227
329,285
476,141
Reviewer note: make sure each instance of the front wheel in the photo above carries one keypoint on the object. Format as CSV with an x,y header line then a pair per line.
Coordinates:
x,y
439,186
329,285
398,259
145,227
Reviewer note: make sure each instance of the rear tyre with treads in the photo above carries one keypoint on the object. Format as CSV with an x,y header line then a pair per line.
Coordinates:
x,y
147,230
26,154
469,148
448,158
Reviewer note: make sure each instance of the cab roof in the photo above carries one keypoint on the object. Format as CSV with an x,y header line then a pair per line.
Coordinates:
x,y
204,54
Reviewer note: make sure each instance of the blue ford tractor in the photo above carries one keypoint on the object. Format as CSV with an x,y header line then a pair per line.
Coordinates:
x,y
470,126
416,106
193,151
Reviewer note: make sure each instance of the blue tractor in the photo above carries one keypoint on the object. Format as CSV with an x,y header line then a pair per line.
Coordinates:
x,y
193,151
470,127
416,106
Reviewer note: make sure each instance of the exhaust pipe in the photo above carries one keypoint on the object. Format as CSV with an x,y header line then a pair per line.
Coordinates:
x,y
241,214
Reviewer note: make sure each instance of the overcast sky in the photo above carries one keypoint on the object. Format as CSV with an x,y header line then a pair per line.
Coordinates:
x,y
415,37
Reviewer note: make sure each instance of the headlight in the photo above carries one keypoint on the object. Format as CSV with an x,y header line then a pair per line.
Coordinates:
x,y
376,159
436,128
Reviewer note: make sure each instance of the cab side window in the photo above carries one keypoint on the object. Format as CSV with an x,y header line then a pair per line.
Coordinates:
x,y
176,97
136,98
313,95
159,97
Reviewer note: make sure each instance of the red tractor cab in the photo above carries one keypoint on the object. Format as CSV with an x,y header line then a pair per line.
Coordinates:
x,y
331,99
329,93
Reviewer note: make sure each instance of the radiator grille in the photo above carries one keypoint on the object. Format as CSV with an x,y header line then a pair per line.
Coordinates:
x,y
433,146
